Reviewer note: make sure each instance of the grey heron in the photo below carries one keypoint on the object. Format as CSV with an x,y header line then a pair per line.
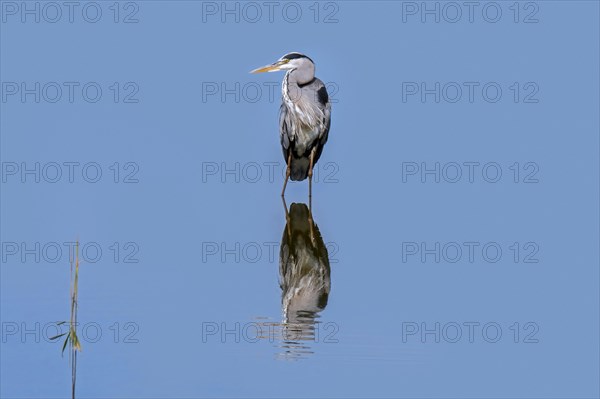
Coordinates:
x,y
304,116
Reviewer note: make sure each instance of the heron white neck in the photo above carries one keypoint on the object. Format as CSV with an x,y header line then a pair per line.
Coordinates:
x,y
301,76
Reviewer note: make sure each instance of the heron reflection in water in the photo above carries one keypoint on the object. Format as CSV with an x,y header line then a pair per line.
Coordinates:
x,y
304,278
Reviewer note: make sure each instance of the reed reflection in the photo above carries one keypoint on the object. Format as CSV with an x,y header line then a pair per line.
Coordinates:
x,y
305,281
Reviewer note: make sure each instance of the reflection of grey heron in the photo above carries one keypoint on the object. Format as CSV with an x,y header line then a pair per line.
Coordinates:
x,y
305,116
304,276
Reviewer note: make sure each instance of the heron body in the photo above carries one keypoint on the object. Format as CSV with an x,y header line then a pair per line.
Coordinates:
x,y
304,118
303,125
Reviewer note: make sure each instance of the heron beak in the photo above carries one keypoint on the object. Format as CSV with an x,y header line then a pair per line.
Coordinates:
x,y
270,68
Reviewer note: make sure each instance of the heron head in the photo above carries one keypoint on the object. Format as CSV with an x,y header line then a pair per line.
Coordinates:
x,y
288,62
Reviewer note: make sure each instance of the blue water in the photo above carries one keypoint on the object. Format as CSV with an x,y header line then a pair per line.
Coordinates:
x,y
451,248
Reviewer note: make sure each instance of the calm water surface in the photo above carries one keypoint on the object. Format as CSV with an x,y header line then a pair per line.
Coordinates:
x,y
450,250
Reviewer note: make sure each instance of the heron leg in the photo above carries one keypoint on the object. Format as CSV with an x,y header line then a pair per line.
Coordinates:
x,y
287,173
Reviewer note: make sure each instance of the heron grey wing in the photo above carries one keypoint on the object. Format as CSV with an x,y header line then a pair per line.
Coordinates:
x,y
284,130
325,105
324,135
